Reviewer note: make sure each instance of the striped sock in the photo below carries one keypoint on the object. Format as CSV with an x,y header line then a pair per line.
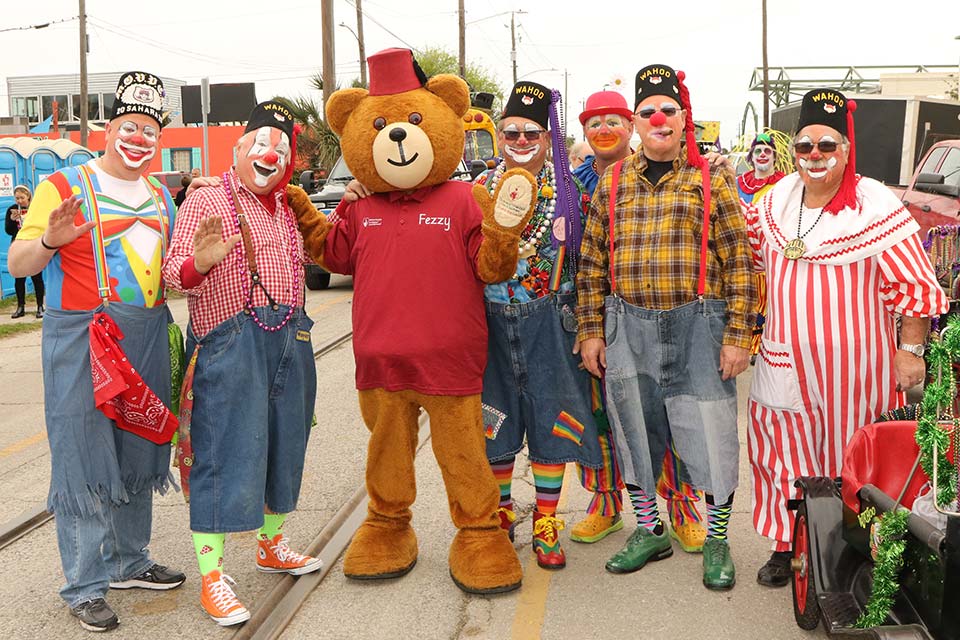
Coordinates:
x,y
645,508
503,472
718,518
548,481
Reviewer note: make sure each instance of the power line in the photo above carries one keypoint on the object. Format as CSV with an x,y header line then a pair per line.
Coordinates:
x,y
40,26
376,22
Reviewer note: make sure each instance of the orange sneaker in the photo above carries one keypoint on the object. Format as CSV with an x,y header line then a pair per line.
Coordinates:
x,y
220,602
546,541
274,556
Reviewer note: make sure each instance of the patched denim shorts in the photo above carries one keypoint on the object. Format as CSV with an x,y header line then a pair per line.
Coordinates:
x,y
254,394
663,382
534,386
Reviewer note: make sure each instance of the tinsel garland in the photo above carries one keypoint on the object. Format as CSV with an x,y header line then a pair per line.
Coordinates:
x,y
938,396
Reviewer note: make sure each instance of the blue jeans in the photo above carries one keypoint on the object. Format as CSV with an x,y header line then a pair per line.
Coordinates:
x,y
254,394
124,532
663,383
534,385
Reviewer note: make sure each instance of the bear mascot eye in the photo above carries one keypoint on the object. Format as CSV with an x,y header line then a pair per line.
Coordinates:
x,y
415,118
379,123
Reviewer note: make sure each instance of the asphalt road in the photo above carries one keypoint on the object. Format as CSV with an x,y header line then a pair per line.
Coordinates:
x,y
663,601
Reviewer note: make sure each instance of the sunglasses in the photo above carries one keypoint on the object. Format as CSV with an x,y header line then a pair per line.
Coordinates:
x,y
667,109
513,136
825,146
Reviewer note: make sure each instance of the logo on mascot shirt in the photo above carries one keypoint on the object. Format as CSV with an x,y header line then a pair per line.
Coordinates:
x,y
372,222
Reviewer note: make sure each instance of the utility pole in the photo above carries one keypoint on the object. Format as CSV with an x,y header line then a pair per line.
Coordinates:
x,y
84,107
329,62
363,55
766,72
513,46
463,42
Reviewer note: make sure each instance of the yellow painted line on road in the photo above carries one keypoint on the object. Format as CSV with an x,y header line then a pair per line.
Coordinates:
x,y
532,603
17,447
330,303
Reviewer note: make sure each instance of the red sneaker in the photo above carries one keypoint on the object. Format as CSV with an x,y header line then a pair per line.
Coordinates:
x,y
274,556
546,541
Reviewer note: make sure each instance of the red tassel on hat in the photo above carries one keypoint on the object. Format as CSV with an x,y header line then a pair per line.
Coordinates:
x,y
846,196
693,151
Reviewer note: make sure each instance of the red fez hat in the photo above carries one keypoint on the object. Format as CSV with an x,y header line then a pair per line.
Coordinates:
x,y
394,71
605,102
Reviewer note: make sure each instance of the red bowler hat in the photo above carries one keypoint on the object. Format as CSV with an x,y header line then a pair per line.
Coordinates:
x,y
605,102
394,71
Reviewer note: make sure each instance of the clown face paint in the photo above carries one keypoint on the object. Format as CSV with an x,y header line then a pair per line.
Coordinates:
x,y
660,134
608,136
136,143
763,158
522,151
262,158
821,170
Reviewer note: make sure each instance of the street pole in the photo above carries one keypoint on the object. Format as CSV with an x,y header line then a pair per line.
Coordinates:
x,y
463,42
329,62
513,46
363,55
84,107
766,72
205,109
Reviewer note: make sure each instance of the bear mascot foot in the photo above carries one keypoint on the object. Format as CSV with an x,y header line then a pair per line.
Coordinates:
x,y
483,561
381,550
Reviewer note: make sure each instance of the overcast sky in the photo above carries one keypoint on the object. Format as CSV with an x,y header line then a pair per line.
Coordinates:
x,y
717,42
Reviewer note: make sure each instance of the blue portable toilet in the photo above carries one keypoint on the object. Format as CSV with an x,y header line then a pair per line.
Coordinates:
x,y
43,162
12,173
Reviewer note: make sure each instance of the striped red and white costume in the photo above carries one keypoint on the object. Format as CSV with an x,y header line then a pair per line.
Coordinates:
x,y
826,360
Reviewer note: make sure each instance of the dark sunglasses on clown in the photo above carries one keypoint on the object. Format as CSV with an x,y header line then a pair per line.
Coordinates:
x,y
513,135
825,146
668,110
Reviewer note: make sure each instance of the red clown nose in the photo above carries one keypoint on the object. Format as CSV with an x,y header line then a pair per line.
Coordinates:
x,y
271,157
658,119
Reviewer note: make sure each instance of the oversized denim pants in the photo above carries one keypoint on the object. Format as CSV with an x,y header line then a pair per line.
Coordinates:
x,y
254,394
663,382
534,386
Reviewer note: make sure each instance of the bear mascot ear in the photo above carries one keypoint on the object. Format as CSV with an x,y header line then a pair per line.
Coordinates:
x,y
452,90
341,104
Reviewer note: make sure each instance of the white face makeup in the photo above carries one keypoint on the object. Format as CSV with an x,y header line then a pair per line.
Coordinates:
x,y
521,150
762,158
135,144
269,154
818,168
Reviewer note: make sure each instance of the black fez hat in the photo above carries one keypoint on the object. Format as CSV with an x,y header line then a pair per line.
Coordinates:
x,y
529,100
139,92
824,106
271,114
656,80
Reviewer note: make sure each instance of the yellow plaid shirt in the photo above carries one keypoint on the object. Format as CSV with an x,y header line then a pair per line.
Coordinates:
x,y
657,247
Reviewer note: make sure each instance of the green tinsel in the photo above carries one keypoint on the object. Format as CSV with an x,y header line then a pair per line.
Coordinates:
x,y
938,394
886,568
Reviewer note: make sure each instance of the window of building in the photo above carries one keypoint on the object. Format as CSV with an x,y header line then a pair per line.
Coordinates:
x,y
107,100
46,104
27,107
181,159
93,106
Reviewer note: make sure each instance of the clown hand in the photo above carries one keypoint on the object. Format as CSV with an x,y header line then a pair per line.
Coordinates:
x,y
209,248
719,160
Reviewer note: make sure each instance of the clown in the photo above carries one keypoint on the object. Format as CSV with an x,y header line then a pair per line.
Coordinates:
x,y
248,330
752,185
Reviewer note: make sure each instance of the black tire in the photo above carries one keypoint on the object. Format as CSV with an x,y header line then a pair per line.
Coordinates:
x,y
806,609
317,280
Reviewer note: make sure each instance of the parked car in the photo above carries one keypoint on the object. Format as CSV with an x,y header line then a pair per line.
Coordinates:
x,y
329,195
172,180
933,195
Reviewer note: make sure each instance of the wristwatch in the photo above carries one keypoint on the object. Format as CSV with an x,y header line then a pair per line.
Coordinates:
x,y
916,349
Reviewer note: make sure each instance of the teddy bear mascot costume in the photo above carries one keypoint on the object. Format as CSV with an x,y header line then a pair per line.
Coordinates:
x,y
420,250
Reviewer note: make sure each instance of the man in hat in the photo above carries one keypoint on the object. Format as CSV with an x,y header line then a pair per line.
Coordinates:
x,y
237,253
607,127
102,251
533,387
679,291
845,259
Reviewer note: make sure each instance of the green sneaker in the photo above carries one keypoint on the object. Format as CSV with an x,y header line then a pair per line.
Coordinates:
x,y
642,546
718,570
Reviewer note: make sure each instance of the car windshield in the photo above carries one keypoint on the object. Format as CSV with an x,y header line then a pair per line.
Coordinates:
x,y
340,172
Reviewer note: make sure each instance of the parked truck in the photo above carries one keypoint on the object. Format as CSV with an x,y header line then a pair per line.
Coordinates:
x,y
933,194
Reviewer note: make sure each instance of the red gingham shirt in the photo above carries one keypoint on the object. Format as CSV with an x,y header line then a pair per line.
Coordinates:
x,y
220,295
